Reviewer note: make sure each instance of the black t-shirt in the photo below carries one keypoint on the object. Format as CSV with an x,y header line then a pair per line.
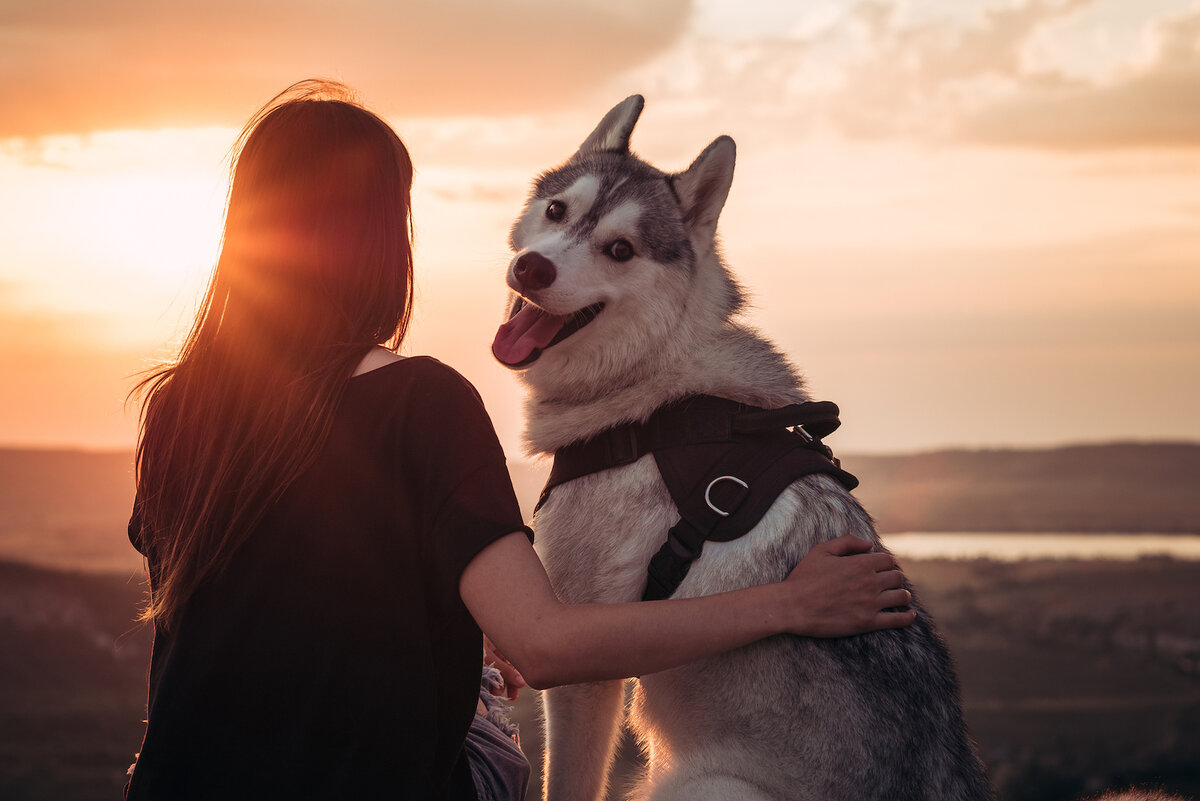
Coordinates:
x,y
333,658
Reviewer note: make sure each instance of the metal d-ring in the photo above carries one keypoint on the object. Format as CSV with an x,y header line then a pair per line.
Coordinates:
x,y
708,500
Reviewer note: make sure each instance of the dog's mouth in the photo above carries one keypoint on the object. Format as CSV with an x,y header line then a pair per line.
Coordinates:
x,y
530,330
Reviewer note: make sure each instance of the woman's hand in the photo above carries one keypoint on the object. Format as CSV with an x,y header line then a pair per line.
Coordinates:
x,y
513,680
840,589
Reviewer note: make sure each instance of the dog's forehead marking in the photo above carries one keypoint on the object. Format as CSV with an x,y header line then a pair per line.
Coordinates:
x,y
625,216
620,179
581,195
644,208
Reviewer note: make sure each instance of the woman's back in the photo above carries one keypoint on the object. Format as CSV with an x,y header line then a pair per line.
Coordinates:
x,y
333,657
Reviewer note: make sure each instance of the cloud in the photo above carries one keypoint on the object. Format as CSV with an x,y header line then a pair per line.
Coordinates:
x,y
864,70
1151,104
918,79
872,70
869,70
78,65
974,84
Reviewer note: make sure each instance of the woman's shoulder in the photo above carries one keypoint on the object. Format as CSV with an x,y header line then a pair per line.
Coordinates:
x,y
423,380
374,359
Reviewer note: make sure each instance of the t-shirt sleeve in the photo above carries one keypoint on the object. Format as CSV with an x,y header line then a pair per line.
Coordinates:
x,y
468,499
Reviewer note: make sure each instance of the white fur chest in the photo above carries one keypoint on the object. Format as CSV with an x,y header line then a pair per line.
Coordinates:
x,y
596,534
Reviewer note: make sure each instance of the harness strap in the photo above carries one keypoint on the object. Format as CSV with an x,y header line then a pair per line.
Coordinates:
x,y
723,462
691,421
765,468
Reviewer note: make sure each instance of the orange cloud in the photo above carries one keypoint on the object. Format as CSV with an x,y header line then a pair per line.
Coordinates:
x,y
972,84
78,65
1152,104
873,71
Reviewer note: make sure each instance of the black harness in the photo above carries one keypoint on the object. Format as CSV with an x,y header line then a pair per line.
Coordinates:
x,y
723,462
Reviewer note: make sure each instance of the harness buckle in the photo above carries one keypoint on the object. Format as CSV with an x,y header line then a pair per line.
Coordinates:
x,y
623,446
803,432
714,482
685,541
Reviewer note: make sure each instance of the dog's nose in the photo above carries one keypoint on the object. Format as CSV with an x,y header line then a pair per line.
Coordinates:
x,y
534,271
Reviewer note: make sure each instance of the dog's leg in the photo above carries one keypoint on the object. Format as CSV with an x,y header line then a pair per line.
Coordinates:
x,y
582,725
704,787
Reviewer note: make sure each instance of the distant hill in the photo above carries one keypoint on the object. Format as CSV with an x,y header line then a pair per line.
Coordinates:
x,y
56,487
1123,487
68,508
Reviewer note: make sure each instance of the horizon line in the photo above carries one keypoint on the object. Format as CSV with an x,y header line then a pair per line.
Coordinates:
x,y
105,450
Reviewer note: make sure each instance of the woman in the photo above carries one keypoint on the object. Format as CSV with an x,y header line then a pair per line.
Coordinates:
x,y
328,526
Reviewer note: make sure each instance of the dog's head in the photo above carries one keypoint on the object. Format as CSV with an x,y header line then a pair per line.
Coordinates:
x,y
611,255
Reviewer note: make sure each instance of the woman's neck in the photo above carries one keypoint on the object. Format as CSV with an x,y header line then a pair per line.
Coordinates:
x,y
375,358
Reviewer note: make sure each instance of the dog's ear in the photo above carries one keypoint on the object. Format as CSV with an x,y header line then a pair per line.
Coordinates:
x,y
613,132
704,186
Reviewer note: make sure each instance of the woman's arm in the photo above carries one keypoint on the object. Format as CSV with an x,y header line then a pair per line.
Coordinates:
x,y
837,590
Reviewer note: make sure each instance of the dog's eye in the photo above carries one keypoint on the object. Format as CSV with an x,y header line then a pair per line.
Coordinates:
x,y
556,210
620,250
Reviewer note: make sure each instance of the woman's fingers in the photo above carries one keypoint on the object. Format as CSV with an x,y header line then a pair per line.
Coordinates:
x,y
881,561
895,620
893,598
847,595
858,548
846,544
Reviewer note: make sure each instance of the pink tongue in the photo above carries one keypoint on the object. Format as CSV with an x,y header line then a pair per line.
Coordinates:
x,y
528,330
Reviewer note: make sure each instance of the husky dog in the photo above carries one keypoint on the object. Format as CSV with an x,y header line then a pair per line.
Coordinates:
x,y
622,304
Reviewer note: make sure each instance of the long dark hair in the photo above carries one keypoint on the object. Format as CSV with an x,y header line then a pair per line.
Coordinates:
x,y
315,268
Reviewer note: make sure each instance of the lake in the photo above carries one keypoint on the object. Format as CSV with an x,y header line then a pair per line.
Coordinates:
x,y
103,551
1015,547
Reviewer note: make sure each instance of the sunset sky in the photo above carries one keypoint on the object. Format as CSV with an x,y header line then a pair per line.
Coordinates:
x,y
971,223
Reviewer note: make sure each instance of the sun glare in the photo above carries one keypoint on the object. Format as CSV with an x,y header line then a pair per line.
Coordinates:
x,y
125,223
156,225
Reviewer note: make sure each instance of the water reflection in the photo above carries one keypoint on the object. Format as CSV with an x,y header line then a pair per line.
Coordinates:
x,y
1006,547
